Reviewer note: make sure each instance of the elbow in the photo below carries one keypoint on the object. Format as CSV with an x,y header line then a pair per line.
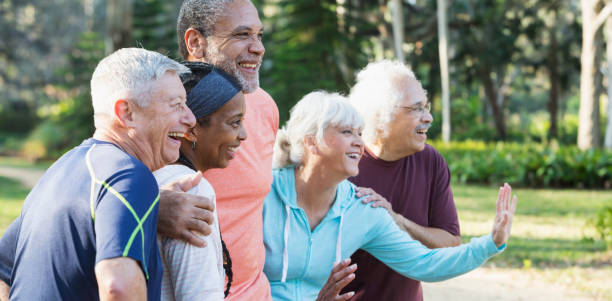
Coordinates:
x,y
455,241
114,289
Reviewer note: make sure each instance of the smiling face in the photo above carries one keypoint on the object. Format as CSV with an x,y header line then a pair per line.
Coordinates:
x,y
342,150
158,125
236,46
219,137
407,132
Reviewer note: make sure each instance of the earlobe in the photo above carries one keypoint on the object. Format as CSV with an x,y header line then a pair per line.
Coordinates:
x,y
311,145
196,43
123,112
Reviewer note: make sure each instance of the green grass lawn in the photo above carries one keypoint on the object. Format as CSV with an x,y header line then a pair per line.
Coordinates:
x,y
553,236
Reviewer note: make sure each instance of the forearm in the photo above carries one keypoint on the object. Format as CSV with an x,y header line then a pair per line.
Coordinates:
x,y
120,278
4,291
429,236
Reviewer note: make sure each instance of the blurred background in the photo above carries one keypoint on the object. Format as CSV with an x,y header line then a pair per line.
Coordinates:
x,y
519,91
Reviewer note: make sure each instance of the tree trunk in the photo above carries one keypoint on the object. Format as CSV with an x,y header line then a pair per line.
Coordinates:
x,y
491,95
398,29
588,115
553,94
608,29
443,50
118,24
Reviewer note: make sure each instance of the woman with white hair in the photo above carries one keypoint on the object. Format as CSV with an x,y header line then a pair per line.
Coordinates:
x,y
313,218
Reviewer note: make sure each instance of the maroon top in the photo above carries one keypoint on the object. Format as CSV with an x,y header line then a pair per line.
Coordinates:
x,y
418,187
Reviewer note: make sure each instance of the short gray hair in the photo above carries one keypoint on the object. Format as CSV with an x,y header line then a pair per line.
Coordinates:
x,y
128,73
376,94
198,14
310,117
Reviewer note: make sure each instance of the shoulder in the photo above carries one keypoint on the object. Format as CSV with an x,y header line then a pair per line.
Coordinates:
x,y
174,172
430,155
261,97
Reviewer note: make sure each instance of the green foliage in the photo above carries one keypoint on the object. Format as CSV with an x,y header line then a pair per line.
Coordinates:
x,y
532,165
603,225
12,195
154,26
69,117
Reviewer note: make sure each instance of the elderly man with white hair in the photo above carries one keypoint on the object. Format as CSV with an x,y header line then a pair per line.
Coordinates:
x,y
87,230
400,166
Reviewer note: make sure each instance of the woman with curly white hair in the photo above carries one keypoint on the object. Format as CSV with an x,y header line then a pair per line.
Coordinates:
x,y
313,221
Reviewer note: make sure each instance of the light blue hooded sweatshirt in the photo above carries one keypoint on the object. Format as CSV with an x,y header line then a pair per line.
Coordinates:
x,y
299,261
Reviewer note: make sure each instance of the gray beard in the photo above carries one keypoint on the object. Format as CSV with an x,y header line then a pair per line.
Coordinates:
x,y
218,59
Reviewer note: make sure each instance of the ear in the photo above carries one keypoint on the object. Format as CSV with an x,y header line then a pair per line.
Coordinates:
x,y
196,43
124,112
310,143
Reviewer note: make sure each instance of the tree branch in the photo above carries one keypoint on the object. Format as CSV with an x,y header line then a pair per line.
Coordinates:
x,y
602,16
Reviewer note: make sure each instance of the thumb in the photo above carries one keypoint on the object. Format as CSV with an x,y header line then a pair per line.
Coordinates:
x,y
190,181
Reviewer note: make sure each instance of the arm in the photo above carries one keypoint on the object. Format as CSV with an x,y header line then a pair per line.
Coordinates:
x,y
4,291
120,278
408,257
181,213
429,236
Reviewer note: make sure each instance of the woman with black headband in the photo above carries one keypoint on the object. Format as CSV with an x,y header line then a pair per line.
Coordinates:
x,y
216,100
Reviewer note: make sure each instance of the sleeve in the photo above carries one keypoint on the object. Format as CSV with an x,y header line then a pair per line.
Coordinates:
x,y
8,242
442,213
412,259
192,271
125,218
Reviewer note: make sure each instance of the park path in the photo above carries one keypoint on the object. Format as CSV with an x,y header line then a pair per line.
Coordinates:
x,y
483,284
27,176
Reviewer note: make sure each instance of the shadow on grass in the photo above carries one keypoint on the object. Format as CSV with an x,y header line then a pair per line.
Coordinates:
x,y
552,253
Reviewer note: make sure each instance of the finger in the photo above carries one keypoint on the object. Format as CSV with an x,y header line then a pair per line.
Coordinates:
x,y
198,226
508,196
338,286
202,202
367,200
193,239
189,182
340,265
341,274
345,296
203,215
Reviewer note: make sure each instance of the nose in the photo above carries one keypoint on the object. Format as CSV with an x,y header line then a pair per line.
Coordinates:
x,y
358,142
426,117
242,135
257,47
188,118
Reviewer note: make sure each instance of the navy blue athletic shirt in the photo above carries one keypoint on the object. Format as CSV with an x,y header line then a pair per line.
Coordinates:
x,y
96,202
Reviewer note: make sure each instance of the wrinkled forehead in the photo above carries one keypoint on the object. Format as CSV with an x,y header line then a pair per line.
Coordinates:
x,y
239,14
409,90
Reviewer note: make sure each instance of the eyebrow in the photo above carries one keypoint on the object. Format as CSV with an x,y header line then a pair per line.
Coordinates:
x,y
244,27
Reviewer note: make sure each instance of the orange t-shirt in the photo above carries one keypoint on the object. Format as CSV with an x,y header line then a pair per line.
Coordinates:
x,y
241,189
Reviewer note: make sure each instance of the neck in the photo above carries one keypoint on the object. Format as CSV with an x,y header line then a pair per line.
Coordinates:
x,y
123,140
384,150
315,187
191,155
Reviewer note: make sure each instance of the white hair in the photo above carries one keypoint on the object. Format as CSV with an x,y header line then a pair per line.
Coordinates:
x,y
376,94
310,117
128,73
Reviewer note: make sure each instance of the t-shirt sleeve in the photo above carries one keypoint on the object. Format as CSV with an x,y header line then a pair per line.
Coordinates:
x,y
192,271
410,258
8,242
125,218
443,213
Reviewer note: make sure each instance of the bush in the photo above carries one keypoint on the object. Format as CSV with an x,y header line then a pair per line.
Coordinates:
x,y
604,225
530,165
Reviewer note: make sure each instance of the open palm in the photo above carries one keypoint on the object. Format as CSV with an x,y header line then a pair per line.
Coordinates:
x,y
505,213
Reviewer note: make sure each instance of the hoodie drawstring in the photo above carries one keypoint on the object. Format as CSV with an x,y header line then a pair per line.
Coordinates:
x,y
286,239
339,240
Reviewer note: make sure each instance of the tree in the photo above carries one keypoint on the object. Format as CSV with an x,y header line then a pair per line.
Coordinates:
x,y
608,29
593,17
118,24
443,49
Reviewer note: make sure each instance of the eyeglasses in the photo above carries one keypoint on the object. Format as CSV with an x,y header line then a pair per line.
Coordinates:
x,y
420,110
